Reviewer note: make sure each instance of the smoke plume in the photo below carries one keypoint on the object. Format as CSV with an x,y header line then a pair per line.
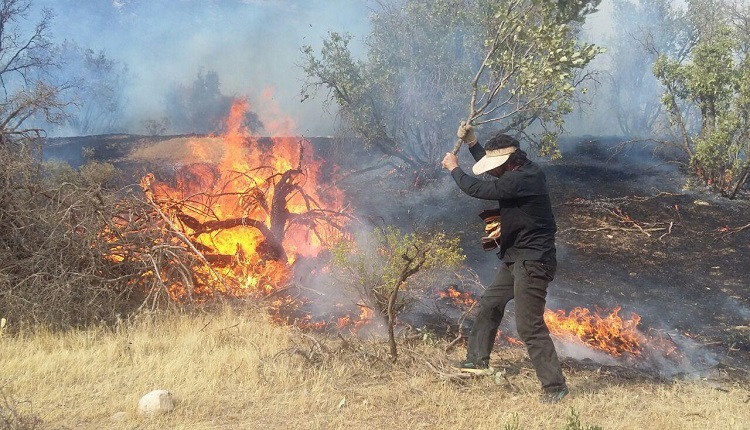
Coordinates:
x,y
251,44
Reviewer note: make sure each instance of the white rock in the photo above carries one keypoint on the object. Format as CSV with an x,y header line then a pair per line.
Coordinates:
x,y
156,402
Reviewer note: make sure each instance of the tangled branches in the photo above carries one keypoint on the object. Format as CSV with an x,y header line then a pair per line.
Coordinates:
x,y
51,268
73,251
621,219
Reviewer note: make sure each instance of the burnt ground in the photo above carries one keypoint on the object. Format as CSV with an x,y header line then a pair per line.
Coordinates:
x,y
630,234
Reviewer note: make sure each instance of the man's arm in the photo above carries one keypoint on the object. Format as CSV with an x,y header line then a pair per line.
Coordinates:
x,y
477,151
505,187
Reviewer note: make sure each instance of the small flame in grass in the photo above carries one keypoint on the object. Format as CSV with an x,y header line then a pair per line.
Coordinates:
x,y
464,298
604,332
609,333
295,311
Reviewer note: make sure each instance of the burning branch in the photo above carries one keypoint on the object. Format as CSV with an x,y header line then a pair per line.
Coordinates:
x,y
248,218
729,231
259,230
187,242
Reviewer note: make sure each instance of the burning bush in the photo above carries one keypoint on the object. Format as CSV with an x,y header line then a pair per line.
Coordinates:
x,y
74,252
249,217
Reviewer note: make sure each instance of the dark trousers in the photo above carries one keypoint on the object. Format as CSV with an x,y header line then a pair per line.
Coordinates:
x,y
526,282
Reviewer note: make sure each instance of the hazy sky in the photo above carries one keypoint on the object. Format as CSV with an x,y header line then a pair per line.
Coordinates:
x,y
252,44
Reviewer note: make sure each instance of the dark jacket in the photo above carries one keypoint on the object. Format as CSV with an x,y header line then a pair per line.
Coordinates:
x,y
528,224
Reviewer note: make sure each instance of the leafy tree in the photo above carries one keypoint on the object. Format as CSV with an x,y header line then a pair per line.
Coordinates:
x,y
201,107
713,79
514,63
389,278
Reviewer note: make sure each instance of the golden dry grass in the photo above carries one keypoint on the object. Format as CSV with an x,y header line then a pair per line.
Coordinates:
x,y
180,150
233,370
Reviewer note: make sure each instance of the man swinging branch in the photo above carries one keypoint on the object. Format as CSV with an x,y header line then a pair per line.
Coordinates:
x,y
527,252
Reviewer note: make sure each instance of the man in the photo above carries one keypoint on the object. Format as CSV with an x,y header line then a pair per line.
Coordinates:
x,y
527,252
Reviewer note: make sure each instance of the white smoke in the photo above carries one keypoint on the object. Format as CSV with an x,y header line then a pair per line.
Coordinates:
x,y
252,45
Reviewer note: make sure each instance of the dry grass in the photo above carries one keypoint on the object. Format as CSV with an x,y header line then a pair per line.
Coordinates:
x,y
180,150
235,370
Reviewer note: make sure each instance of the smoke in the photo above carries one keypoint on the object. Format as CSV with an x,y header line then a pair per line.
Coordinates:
x,y
658,358
252,45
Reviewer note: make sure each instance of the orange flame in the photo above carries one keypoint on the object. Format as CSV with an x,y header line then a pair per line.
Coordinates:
x,y
464,298
253,213
609,333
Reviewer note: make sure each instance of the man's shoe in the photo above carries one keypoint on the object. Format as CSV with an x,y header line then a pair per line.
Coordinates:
x,y
550,397
479,368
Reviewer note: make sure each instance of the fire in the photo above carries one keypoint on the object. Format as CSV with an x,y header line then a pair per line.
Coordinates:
x,y
464,298
252,214
609,333
347,321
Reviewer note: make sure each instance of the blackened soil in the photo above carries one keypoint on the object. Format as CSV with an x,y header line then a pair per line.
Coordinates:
x,y
630,234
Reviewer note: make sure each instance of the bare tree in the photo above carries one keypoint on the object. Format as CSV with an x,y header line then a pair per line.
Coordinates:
x,y
52,253
26,58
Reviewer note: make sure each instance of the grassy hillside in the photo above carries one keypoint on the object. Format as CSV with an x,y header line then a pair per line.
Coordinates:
x,y
232,369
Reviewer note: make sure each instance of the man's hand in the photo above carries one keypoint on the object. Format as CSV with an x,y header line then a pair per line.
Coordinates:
x,y
466,133
450,161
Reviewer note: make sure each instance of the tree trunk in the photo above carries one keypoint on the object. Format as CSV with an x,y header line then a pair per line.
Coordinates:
x,y
392,297
740,182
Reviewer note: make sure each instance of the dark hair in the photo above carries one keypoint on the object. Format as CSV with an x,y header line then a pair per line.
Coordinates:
x,y
502,140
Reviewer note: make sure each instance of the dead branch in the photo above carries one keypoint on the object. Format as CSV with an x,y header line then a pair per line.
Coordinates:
x,y
188,243
455,341
453,376
613,209
460,335
669,231
321,348
732,231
